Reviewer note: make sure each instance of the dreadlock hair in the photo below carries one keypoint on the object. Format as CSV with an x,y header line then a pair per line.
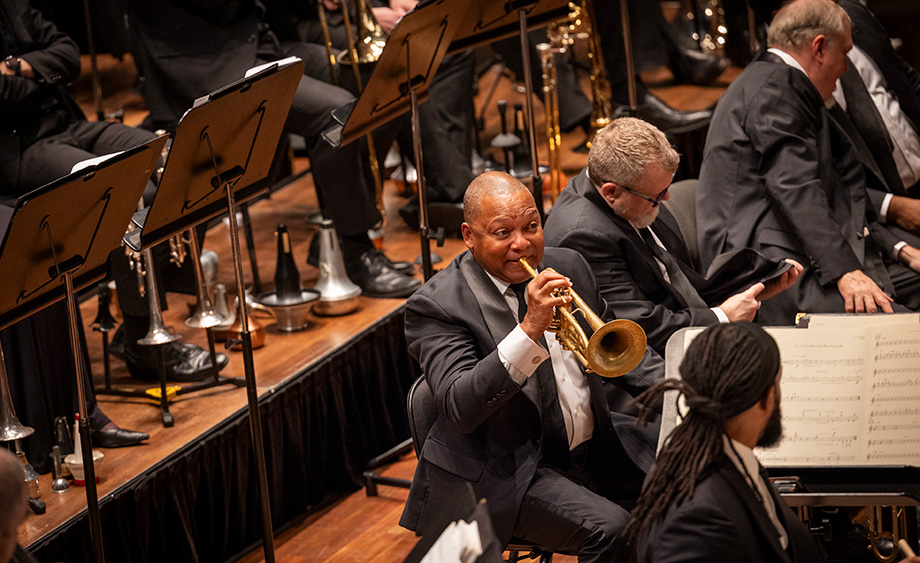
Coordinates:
x,y
726,370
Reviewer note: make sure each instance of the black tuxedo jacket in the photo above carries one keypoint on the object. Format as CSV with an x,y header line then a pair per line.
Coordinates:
x,y
625,268
30,107
489,431
903,81
724,521
777,178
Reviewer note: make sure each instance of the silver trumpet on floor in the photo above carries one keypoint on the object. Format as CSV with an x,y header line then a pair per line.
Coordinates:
x,y
10,427
158,333
206,314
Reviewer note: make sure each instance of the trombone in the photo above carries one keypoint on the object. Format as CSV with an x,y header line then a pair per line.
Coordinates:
x,y
363,49
613,350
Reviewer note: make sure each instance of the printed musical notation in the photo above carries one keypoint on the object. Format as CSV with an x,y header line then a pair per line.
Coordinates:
x,y
793,397
897,355
850,396
888,383
821,418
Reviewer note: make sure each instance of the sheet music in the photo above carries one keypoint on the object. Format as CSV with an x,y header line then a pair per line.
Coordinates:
x,y
458,543
849,397
850,321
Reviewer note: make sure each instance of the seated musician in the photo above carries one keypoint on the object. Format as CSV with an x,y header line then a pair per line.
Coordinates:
x,y
188,48
519,419
610,213
708,498
777,178
43,133
720,507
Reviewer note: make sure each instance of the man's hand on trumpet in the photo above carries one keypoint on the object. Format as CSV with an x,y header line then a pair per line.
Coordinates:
x,y
541,301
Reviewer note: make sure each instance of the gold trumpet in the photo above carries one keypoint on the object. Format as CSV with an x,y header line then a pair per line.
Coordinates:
x,y
613,350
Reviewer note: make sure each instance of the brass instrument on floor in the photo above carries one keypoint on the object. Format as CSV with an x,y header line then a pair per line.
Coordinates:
x,y
551,108
10,427
158,333
613,350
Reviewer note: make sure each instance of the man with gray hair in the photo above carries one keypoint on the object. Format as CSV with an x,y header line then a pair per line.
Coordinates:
x,y
610,213
777,178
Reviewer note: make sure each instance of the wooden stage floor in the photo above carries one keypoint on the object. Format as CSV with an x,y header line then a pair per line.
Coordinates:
x,y
356,528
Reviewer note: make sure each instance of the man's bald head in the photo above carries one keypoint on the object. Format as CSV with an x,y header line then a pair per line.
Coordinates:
x,y
798,22
14,500
488,184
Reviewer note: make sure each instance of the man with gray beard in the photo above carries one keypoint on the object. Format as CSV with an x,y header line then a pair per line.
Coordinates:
x,y
610,213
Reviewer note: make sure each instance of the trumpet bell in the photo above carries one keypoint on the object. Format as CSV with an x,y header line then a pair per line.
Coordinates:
x,y
205,316
10,427
158,335
616,348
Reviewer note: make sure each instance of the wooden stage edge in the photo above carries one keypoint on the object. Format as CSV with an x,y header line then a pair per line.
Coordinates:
x,y
284,357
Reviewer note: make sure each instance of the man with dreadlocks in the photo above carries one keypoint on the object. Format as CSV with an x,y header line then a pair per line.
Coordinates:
x,y
708,499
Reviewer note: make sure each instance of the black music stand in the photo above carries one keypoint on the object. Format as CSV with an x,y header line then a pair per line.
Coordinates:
x,y
221,154
488,21
399,84
57,242
189,194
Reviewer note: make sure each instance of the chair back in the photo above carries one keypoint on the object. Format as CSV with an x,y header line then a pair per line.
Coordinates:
x,y
423,412
682,206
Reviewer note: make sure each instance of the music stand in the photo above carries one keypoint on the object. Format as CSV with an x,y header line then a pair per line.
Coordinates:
x,y
221,155
399,84
57,242
490,21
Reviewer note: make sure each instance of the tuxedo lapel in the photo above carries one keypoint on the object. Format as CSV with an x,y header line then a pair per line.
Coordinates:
x,y
499,318
757,511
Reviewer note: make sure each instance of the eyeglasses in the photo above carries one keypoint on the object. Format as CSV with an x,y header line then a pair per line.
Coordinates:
x,y
655,202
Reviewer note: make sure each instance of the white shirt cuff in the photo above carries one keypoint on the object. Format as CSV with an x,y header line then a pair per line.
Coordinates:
x,y
898,247
883,210
520,355
723,318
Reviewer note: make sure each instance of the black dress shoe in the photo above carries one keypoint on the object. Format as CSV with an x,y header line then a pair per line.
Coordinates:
x,y
401,266
184,362
118,438
670,120
377,278
696,67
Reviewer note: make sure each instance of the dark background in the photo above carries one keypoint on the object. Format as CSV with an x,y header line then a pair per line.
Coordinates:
x,y
900,17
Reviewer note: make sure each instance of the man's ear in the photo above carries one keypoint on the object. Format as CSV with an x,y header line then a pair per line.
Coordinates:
x,y
608,191
768,398
818,46
467,234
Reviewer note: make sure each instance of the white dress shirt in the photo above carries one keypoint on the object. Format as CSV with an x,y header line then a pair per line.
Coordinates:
x,y
906,149
521,356
749,467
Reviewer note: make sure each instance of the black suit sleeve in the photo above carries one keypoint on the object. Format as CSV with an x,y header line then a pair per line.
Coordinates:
x,y
53,55
468,387
785,134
